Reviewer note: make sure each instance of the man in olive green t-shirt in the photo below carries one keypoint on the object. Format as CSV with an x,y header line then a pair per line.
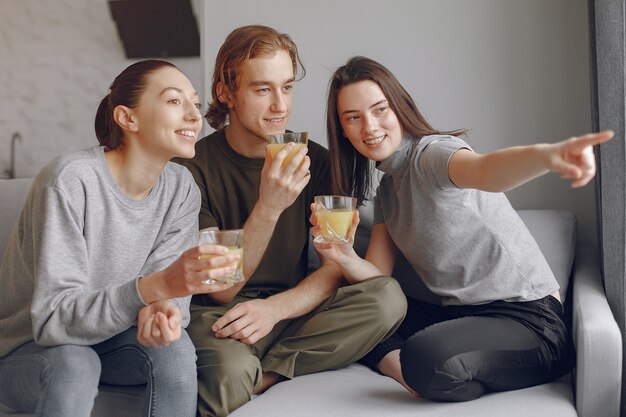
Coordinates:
x,y
279,323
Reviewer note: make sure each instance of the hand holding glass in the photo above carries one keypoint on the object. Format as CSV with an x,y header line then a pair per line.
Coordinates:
x,y
278,141
233,240
334,217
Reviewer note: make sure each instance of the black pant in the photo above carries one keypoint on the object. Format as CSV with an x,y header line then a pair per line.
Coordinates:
x,y
457,353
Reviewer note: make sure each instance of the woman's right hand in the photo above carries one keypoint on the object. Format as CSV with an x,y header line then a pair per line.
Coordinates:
x,y
354,267
194,272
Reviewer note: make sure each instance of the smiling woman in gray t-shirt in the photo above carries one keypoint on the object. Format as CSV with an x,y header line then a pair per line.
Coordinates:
x,y
499,325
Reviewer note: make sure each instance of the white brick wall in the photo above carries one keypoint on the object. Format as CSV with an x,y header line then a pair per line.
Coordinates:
x,y
57,59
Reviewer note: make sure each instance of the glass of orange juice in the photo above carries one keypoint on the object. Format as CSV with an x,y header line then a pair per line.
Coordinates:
x,y
278,141
334,216
233,240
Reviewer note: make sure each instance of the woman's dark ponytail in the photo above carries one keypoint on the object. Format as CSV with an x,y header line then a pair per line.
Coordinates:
x,y
103,124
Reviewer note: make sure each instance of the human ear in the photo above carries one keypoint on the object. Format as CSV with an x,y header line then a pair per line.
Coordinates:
x,y
223,94
125,118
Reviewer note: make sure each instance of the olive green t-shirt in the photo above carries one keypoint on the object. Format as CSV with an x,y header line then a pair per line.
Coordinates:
x,y
229,187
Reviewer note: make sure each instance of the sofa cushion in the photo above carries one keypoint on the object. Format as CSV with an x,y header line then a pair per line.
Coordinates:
x,y
553,230
112,401
358,391
555,233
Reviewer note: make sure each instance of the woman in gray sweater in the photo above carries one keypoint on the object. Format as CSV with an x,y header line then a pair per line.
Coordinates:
x,y
99,271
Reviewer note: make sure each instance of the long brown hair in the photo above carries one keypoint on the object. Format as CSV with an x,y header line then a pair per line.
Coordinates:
x,y
241,45
125,90
351,172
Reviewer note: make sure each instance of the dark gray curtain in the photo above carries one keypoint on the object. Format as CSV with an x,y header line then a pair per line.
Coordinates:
x,y
608,76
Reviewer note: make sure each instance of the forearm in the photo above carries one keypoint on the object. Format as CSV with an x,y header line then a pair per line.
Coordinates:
x,y
357,269
258,231
83,317
501,170
509,168
309,293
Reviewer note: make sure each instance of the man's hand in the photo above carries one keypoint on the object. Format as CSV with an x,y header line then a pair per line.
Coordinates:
x,y
280,186
159,324
248,321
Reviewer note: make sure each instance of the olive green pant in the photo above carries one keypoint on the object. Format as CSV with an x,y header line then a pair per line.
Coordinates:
x,y
340,331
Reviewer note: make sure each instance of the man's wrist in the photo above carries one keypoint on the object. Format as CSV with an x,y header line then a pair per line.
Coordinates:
x,y
279,307
265,213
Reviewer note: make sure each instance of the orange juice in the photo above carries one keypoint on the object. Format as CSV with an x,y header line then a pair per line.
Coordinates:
x,y
276,147
238,275
335,224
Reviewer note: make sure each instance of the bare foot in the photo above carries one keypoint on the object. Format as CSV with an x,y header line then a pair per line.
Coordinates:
x,y
269,379
390,366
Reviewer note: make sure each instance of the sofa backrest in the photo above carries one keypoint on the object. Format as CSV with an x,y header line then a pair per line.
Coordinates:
x,y
12,196
553,230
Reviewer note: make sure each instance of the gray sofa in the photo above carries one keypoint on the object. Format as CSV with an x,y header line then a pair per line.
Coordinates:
x,y
592,390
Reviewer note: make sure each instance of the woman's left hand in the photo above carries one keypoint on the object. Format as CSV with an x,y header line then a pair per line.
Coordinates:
x,y
573,158
159,324
339,253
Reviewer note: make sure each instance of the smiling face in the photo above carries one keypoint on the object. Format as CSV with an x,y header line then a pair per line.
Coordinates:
x,y
261,105
368,122
167,117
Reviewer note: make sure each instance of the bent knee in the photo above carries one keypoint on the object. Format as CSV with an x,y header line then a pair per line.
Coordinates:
x,y
79,364
229,363
226,381
436,376
175,364
182,350
389,301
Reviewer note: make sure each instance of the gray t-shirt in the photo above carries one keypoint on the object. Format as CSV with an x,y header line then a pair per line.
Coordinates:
x,y
70,270
468,246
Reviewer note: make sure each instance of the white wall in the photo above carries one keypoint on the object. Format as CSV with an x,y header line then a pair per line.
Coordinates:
x,y
514,72
57,60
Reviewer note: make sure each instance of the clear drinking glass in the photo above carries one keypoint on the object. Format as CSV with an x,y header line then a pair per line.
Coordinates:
x,y
233,240
334,215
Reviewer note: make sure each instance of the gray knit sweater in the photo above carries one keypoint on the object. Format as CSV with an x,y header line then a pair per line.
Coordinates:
x,y
70,270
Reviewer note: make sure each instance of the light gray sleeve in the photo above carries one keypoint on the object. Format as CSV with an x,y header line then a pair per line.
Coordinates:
x,y
65,309
181,236
433,156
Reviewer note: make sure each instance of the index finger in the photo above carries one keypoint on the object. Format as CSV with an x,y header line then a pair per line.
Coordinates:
x,y
144,335
228,317
164,325
205,249
279,157
592,139
313,217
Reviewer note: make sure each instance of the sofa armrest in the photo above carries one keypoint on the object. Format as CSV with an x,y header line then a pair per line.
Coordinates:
x,y
598,342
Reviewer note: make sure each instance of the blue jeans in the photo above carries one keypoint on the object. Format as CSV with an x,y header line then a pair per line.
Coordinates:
x,y
63,380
